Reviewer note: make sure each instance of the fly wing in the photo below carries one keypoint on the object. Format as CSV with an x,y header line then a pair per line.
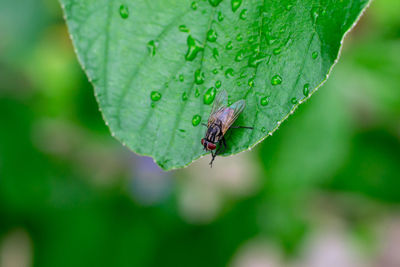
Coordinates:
x,y
236,108
220,102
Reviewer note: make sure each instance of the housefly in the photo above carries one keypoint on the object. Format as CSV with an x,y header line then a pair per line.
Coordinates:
x,y
221,119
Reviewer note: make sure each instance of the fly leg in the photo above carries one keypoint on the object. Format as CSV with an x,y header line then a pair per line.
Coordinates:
x,y
213,155
242,127
216,152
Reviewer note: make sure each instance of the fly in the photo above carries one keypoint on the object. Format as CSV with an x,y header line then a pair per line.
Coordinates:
x,y
221,119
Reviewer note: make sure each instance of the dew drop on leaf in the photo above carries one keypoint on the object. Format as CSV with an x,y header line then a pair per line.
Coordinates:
x,y
198,76
229,46
211,35
181,78
263,130
276,51
264,101
184,96
276,79
124,11
251,82
210,95
306,89
215,71
314,14
218,84
214,2
235,4
229,73
197,92
293,100
215,53
239,56
194,5
196,120
239,37
220,16
254,60
183,28
151,47
252,39
155,95
193,48
314,54
243,14
289,7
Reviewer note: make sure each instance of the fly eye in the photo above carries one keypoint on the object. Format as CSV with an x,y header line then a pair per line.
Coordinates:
x,y
211,146
202,141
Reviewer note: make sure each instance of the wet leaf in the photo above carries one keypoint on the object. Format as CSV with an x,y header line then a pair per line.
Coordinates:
x,y
152,62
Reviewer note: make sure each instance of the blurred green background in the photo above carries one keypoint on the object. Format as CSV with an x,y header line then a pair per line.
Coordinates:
x,y
324,190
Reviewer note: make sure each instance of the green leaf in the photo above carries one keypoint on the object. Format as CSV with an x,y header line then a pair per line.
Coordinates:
x,y
156,65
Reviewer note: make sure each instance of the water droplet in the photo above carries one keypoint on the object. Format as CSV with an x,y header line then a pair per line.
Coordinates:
x,y
215,53
239,37
314,54
198,76
194,5
263,129
220,16
314,14
254,60
264,101
124,11
293,100
152,46
152,105
181,77
155,95
251,82
229,73
276,51
289,7
183,28
252,39
210,95
215,71
218,84
276,79
306,89
197,92
184,96
182,130
235,4
283,29
211,35
214,2
239,56
194,48
196,120
228,45
243,14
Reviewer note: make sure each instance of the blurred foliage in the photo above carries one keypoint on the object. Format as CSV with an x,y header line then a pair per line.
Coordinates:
x,y
85,200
